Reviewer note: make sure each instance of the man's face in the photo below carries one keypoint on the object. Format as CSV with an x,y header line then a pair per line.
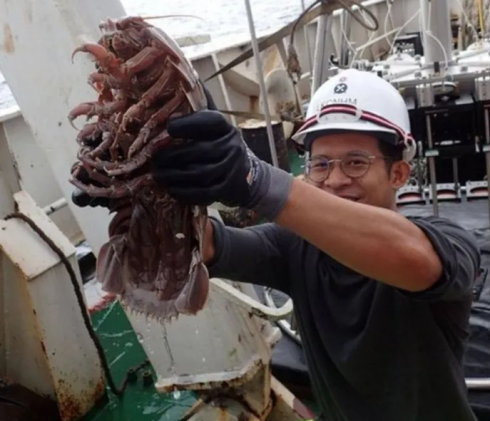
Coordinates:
x,y
375,187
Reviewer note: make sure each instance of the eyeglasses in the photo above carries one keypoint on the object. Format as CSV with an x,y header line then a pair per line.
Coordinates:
x,y
353,165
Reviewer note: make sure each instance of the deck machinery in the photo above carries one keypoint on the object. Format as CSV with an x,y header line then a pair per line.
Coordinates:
x,y
447,93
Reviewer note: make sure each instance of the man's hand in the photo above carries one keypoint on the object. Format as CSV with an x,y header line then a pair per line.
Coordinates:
x,y
215,165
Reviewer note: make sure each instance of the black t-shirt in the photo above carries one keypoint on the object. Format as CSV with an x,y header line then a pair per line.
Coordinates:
x,y
374,352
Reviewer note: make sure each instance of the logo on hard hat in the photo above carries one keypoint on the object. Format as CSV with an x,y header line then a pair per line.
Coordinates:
x,y
340,88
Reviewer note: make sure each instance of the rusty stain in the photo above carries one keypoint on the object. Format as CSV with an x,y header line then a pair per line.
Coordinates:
x,y
8,39
217,386
73,406
43,347
299,407
223,413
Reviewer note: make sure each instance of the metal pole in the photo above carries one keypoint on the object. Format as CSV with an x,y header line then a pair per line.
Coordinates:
x,y
260,75
307,40
345,32
432,167
322,52
436,20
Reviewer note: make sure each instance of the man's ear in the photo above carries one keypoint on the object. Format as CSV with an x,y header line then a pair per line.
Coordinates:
x,y
400,174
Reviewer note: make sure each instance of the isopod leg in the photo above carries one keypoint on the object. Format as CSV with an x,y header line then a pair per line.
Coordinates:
x,y
158,118
88,134
148,98
142,157
104,81
142,61
117,190
91,109
98,164
107,139
105,59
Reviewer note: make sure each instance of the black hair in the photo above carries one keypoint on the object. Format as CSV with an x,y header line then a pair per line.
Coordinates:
x,y
392,153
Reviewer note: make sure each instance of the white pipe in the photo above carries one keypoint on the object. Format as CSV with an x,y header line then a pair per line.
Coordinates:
x,y
55,206
263,90
478,383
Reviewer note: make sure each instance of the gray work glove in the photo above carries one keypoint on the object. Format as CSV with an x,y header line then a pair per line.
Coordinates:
x,y
215,165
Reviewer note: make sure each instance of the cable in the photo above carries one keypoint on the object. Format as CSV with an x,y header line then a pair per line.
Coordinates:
x,y
118,391
389,5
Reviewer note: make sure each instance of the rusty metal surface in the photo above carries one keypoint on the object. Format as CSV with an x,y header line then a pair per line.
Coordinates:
x,y
72,405
220,409
225,383
287,406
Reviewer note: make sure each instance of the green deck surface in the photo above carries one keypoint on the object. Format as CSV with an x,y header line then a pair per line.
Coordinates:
x,y
123,351
296,163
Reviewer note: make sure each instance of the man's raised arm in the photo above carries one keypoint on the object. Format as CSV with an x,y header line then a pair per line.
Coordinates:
x,y
253,255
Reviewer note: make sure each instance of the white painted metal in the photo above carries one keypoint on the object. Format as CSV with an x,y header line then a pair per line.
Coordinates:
x,y
57,85
225,341
260,76
220,286
45,345
35,174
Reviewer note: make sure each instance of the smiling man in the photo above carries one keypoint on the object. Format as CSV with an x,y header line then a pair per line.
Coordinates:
x,y
382,300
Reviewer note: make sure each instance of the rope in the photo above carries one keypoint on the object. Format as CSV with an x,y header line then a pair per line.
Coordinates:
x,y
118,391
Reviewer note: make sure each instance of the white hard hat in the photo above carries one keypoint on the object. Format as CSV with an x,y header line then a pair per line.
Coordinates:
x,y
355,100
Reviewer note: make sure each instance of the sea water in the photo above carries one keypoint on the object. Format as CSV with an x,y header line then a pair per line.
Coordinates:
x,y
224,20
